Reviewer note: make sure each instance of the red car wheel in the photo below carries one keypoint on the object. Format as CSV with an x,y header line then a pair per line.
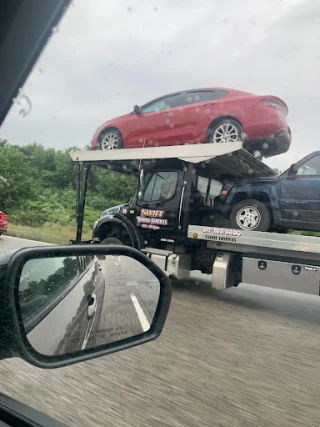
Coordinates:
x,y
110,139
227,130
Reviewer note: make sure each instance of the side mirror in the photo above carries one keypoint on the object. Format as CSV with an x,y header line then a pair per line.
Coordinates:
x,y
68,304
137,110
293,169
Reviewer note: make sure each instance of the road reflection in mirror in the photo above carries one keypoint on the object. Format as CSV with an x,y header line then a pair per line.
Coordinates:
x,y
69,304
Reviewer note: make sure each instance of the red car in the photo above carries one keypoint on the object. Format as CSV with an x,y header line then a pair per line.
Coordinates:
x,y
3,222
198,116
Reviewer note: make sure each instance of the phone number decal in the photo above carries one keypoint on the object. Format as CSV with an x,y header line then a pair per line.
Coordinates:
x,y
222,231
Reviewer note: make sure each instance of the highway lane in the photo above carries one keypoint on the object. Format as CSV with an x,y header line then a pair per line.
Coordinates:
x,y
130,300
244,357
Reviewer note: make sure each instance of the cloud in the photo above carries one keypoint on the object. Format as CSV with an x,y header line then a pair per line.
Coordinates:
x,y
108,56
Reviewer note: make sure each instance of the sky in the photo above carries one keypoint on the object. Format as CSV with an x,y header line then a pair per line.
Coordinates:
x,y
108,55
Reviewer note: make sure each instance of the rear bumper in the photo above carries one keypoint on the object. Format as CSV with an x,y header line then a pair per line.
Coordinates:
x,y
279,145
272,146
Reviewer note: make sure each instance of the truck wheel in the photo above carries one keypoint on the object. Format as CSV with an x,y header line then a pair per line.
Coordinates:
x,y
250,215
227,130
111,241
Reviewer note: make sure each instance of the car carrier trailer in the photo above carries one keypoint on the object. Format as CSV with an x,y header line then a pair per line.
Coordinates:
x,y
171,217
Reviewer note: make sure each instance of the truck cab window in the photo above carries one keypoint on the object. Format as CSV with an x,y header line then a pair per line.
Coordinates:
x,y
202,187
162,186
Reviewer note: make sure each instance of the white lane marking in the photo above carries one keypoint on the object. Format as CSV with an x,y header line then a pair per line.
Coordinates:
x,y
142,317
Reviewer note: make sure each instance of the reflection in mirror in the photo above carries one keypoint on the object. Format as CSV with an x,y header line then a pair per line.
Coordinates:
x,y
73,303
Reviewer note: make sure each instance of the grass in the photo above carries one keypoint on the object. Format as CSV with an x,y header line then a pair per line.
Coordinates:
x,y
48,233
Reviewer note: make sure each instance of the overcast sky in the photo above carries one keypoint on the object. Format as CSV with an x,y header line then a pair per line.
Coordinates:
x,y
108,55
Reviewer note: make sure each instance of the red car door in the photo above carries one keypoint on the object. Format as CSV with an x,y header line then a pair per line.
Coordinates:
x,y
159,121
199,108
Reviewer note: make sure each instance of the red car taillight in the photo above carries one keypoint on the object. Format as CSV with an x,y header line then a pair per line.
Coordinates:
x,y
275,103
3,217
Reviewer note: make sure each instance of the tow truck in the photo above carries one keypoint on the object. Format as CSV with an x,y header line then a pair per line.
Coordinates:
x,y
171,217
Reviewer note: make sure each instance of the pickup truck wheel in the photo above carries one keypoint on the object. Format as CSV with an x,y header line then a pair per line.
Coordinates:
x,y
250,215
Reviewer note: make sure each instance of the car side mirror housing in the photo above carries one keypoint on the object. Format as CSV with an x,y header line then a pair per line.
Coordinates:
x,y
293,169
137,109
65,304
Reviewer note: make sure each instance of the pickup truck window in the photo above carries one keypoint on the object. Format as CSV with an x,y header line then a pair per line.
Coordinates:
x,y
162,186
310,167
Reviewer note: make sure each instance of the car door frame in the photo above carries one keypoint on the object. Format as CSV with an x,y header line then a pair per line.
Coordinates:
x,y
153,116
197,111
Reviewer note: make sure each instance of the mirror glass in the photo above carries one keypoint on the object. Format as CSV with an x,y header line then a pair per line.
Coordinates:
x,y
69,304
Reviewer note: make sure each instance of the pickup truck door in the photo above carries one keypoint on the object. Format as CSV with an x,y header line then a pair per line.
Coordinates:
x,y
158,209
300,193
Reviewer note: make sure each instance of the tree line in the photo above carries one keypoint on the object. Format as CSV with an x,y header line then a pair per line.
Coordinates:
x,y
37,186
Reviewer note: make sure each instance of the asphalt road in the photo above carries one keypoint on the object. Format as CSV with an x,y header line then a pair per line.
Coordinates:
x,y
244,357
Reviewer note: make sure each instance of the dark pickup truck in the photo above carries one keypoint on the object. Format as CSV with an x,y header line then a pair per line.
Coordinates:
x,y
291,200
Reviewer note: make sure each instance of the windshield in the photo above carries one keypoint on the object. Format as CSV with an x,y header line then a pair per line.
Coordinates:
x,y
205,75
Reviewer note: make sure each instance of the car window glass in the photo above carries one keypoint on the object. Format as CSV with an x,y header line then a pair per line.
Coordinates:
x,y
202,185
162,104
42,280
310,167
200,96
215,188
161,186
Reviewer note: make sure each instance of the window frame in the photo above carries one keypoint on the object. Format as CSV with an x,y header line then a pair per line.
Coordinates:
x,y
156,172
178,94
202,90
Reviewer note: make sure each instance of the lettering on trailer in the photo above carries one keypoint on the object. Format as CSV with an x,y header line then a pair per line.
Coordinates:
x,y
221,234
154,221
152,213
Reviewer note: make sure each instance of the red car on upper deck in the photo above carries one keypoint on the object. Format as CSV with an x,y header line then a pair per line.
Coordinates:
x,y
3,222
215,115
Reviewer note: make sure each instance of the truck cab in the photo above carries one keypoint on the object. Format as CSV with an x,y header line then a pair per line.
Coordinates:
x,y
169,194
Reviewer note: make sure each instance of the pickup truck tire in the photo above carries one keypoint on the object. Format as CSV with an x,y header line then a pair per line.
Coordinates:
x,y
250,215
